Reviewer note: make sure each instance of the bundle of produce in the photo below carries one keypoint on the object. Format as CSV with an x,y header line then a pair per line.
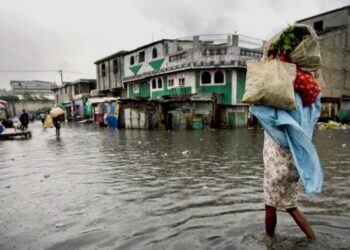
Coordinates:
x,y
307,86
298,44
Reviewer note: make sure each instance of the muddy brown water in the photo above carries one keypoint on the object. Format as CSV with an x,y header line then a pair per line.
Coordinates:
x,y
100,188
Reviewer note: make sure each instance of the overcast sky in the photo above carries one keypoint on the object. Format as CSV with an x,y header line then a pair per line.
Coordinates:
x,y
72,34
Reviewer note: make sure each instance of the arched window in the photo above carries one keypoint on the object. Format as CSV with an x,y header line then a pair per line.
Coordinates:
x,y
154,53
132,60
206,77
219,77
154,84
160,83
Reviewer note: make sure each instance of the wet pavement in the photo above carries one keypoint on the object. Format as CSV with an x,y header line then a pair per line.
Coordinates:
x,y
100,188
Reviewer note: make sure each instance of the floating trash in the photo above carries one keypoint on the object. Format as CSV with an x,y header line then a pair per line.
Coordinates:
x,y
8,186
332,125
12,158
343,145
46,175
140,142
165,154
186,152
59,225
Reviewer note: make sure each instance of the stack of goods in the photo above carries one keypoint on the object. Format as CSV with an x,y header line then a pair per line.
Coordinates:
x,y
298,44
290,60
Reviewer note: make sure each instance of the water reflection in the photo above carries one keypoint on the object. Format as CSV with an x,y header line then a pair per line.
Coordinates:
x,y
135,189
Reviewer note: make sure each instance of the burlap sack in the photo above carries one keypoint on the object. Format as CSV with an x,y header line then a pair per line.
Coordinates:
x,y
307,55
56,112
48,123
270,83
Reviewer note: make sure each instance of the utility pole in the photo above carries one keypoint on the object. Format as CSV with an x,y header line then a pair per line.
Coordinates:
x,y
61,74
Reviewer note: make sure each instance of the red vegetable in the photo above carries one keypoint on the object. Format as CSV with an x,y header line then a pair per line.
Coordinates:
x,y
307,86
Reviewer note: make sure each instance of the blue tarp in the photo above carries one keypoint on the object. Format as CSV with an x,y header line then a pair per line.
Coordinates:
x,y
294,129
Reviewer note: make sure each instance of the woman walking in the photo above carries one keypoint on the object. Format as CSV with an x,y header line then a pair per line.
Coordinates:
x,y
289,154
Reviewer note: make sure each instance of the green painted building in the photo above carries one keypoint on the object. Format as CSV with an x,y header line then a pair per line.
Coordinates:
x,y
192,79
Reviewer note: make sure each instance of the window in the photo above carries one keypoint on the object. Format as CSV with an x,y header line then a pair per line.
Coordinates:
x,y
103,70
154,53
141,56
218,77
157,84
154,84
132,60
171,82
65,89
166,48
115,66
160,83
181,81
135,87
318,26
206,78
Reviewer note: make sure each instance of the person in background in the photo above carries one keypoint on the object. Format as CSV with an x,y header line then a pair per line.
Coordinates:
x,y
24,119
57,125
42,117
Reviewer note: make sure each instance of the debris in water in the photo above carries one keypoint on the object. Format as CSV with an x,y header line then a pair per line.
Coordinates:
x,y
59,225
46,175
343,145
140,142
186,152
332,125
8,186
165,154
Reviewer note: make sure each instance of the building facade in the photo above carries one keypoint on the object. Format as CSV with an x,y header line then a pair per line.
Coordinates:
x,y
72,97
194,79
178,83
34,88
333,28
109,72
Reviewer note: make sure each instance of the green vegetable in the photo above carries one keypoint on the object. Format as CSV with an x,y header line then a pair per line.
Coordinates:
x,y
290,39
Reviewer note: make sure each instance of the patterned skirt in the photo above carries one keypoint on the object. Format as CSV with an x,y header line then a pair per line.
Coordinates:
x,y
280,175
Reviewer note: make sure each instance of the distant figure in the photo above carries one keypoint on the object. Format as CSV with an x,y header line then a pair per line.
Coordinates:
x,y
24,119
42,117
57,125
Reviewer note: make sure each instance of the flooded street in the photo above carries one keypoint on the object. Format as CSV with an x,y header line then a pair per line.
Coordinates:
x,y
98,188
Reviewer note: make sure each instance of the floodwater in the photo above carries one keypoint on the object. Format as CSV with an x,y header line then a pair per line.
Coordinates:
x,y
97,188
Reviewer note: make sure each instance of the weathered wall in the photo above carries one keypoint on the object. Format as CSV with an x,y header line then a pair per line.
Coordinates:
x,y
31,106
335,53
335,65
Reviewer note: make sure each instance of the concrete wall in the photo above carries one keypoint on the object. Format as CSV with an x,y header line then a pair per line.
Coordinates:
x,y
30,106
337,18
335,52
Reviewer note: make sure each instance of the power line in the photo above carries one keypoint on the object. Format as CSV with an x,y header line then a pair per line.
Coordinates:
x,y
25,71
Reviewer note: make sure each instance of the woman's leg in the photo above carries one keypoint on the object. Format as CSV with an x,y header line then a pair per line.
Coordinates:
x,y
270,220
302,222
